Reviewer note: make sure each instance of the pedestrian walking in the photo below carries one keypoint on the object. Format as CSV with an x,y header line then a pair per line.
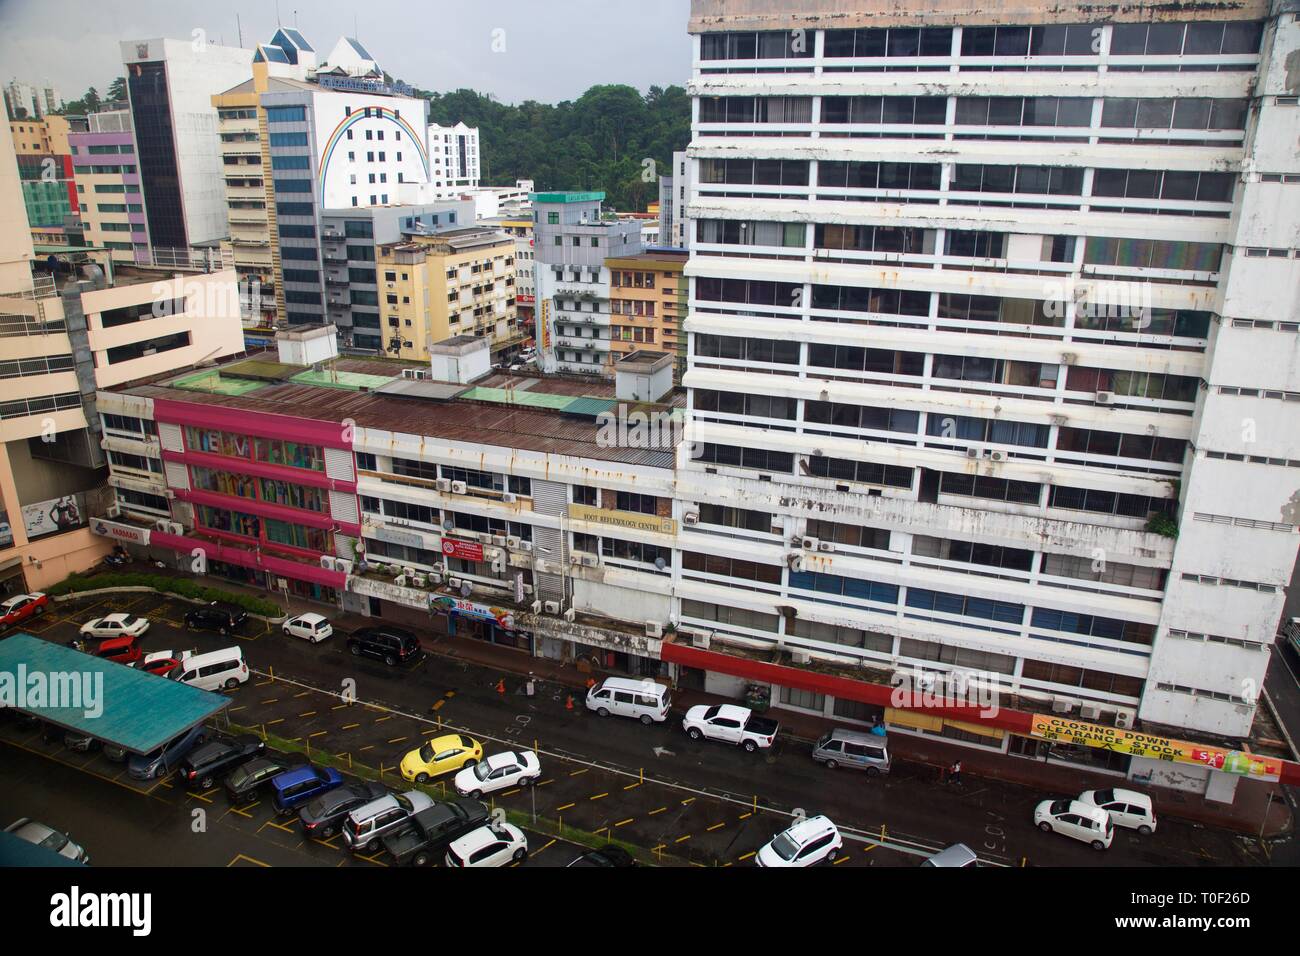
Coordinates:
x,y
954,773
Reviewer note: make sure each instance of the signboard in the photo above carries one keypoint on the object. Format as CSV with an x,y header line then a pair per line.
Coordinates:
x,y
623,519
465,550
544,325
410,539
1051,727
502,617
120,532
54,515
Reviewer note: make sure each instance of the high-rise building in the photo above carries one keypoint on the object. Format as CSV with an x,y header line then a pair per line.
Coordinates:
x,y
647,305
24,101
107,178
995,318
453,155
45,168
572,239
674,227
170,84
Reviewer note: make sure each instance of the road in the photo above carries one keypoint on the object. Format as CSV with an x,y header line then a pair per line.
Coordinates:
x,y
688,802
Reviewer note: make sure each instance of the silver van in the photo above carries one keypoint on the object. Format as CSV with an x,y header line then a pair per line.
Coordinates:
x,y
642,699
853,748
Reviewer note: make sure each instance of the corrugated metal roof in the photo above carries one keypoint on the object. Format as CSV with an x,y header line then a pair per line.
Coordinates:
x,y
138,711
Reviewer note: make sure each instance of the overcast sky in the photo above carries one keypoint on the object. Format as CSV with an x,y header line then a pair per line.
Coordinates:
x,y
554,49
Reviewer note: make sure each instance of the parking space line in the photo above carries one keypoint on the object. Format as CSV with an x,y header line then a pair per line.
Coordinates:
x,y
397,740
660,810
745,856
746,816
247,859
567,806
303,694
632,786
624,822
682,839
550,843
278,826
272,723
273,700
340,706
310,713
716,826
319,733
599,796
349,726
575,773
838,860
688,800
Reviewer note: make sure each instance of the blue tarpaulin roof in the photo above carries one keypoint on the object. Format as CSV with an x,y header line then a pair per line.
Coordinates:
x,y
120,705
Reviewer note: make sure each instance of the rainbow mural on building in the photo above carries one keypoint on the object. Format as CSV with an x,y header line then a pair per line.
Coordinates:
x,y
385,113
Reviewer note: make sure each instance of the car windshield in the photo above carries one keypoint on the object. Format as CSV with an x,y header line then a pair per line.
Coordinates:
x,y
1059,806
712,712
55,841
784,847
481,770
1104,796
426,753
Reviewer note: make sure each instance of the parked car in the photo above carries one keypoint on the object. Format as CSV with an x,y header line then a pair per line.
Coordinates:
x,y
1127,808
365,826
441,755
494,845
295,787
311,627
22,606
210,761
730,724
323,816
217,616
645,700
41,835
115,625
224,669
860,750
959,854
606,856
123,650
162,663
247,781
392,645
1074,819
807,843
499,772
166,758
428,833
82,743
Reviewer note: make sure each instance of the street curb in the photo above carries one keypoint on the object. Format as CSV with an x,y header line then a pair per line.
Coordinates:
x,y
139,589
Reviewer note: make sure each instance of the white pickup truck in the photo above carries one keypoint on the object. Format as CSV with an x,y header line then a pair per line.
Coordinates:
x,y
730,724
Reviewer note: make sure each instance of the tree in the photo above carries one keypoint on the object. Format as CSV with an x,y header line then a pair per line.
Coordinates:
x,y
117,89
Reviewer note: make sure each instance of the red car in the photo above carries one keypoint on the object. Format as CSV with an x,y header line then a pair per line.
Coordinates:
x,y
123,650
20,607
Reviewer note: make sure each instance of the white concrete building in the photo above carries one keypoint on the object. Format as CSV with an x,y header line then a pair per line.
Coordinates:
x,y
985,309
453,157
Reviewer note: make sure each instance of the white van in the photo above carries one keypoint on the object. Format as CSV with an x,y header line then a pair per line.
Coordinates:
x,y
1074,819
642,699
1127,808
225,668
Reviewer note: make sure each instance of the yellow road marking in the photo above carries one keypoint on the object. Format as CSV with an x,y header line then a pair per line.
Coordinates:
x,y
660,810
566,807
437,705
599,796
340,706
303,694
549,844
319,733
746,816
278,720
682,839
380,720
688,800
716,826
273,700
624,822
575,773
746,856
246,859
510,793
397,740
838,860
869,847
350,726
310,713
632,786
278,826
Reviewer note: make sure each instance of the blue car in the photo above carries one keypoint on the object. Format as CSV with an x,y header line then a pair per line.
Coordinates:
x,y
161,762
291,789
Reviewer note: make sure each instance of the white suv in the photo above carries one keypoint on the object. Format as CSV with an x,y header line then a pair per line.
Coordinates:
x,y
1074,819
804,844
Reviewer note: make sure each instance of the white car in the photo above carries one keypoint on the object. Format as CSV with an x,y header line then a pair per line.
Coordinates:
x,y
51,839
493,845
1127,808
499,772
807,843
310,627
1074,819
115,625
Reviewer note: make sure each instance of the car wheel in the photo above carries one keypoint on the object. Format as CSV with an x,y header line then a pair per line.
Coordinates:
x,y
831,764
205,783
355,649
694,733
520,855
421,859
647,719
602,711
390,660
833,854
421,778
1098,845
232,684
328,831
285,631
1045,827
531,781
40,610
749,746
468,763
372,846
1144,829
873,772
225,631
476,794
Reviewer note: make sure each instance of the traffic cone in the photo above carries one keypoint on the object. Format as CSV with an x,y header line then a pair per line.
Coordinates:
x,y
501,686
568,703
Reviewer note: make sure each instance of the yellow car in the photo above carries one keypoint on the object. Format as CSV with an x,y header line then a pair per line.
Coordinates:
x,y
441,755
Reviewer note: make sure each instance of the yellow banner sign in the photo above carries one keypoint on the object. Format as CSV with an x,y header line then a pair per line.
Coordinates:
x,y
623,519
1051,727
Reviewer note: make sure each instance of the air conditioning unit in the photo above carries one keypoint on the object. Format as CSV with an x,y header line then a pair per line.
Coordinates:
x,y
169,494
590,561
342,564
1105,398
455,584
525,546
653,629
810,544
162,524
972,452
327,562
409,572
400,580
690,517
528,590
825,546
175,527
418,580
699,639
1062,705
112,511
499,540
1125,718
570,614
443,484
512,542
800,657
552,607
998,456
575,560
509,498
537,607
1089,711
458,488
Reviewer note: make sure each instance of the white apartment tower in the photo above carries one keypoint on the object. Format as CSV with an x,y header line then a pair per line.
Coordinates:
x,y
454,157
994,357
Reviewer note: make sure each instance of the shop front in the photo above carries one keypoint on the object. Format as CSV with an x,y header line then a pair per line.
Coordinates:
x,y
482,622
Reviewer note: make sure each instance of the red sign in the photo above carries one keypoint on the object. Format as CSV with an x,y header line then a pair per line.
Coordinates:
x,y
465,550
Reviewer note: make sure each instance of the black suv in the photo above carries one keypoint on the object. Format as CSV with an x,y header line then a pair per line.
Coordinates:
x,y
216,616
392,645
216,758
426,836
609,855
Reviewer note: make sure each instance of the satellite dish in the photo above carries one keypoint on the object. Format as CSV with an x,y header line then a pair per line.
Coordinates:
x,y
448,524
465,589
660,563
